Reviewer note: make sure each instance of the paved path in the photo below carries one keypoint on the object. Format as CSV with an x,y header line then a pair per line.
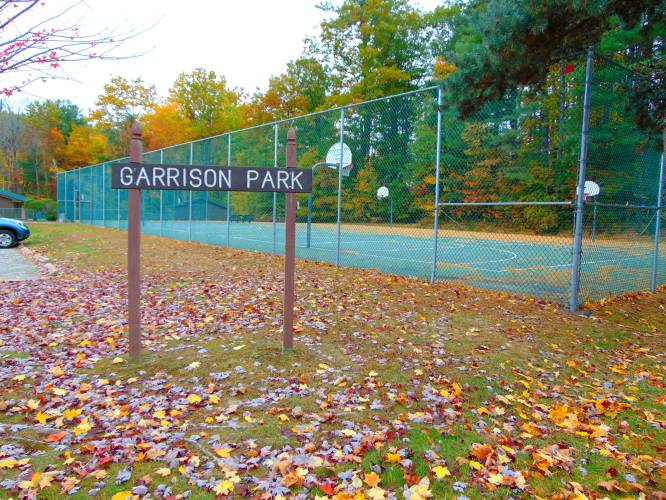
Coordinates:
x,y
15,267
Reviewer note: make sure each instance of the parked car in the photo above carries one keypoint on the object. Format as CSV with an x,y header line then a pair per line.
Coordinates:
x,y
12,232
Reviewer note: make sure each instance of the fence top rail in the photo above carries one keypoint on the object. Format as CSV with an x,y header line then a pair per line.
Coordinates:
x,y
503,203
273,123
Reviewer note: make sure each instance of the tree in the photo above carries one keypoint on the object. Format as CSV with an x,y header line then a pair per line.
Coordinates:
x,y
166,125
206,101
500,45
36,43
47,127
11,130
122,102
86,146
303,88
373,48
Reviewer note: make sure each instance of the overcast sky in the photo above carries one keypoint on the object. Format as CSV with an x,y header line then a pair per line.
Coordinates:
x,y
247,41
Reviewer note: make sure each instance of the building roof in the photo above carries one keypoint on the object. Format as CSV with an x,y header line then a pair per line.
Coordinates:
x,y
12,196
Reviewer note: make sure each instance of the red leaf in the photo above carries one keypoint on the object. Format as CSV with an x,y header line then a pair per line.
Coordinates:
x,y
54,438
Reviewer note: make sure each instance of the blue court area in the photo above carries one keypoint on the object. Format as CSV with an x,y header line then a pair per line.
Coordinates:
x,y
538,266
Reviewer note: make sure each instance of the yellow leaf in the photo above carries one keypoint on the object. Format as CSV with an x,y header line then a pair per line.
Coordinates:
x,y
83,427
56,371
193,399
376,493
32,404
8,463
440,471
164,471
239,347
70,414
223,452
495,479
59,392
19,378
475,465
194,365
214,399
117,361
224,488
42,417
122,495
393,458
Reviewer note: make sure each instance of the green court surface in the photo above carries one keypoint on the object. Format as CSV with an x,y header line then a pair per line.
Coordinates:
x,y
540,268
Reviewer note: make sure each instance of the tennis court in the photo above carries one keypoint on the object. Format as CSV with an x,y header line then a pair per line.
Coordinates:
x,y
539,267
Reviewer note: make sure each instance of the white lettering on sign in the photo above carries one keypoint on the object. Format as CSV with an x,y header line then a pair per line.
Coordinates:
x,y
172,177
126,176
158,174
294,179
283,177
268,178
252,175
203,177
226,178
210,179
195,177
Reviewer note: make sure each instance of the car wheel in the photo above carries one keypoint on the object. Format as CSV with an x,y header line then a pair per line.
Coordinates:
x,y
7,238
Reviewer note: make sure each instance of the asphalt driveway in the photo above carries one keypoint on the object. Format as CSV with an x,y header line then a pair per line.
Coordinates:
x,y
14,266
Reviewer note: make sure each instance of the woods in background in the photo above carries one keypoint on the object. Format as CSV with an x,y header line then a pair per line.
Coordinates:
x,y
512,104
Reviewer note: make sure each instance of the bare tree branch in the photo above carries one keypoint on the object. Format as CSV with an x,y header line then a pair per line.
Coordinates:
x,y
39,46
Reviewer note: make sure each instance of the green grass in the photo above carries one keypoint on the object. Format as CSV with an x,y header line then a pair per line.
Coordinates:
x,y
412,335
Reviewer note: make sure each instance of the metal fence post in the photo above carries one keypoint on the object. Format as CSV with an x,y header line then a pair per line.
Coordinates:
x,y
189,233
275,164
229,193
103,195
580,187
161,198
118,209
657,226
438,157
342,136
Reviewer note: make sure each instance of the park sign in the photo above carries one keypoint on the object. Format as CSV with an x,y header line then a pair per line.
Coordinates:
x,y
210,178
136,176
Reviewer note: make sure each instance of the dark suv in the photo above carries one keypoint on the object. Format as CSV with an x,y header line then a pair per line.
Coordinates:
x,y
12,232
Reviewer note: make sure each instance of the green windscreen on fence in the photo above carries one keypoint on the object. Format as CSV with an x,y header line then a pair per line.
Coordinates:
x,y
507,184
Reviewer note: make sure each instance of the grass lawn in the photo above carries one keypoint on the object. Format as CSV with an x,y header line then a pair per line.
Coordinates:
x,y
396,388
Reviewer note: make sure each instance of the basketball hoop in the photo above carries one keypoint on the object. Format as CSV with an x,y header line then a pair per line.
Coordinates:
x,y
591,189
333,158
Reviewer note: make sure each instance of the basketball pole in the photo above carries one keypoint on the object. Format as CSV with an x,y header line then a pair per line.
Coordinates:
x,y
580,187
340,165
229,192
657,224
275,164
438,158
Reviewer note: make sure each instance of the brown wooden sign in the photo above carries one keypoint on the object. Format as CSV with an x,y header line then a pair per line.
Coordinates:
x,y
136,176
210,178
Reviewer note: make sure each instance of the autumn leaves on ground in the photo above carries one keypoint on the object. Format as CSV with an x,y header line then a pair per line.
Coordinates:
x,y
395,389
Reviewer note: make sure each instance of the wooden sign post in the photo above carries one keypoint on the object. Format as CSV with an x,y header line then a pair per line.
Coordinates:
x,y
136,176
289,250
134,251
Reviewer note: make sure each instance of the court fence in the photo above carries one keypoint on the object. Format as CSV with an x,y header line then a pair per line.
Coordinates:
x,y
490,201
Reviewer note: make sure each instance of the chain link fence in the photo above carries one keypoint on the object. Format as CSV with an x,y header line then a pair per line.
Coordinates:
x,y
503,182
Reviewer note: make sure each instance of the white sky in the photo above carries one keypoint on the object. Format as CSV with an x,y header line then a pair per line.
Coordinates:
x,y
247,41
